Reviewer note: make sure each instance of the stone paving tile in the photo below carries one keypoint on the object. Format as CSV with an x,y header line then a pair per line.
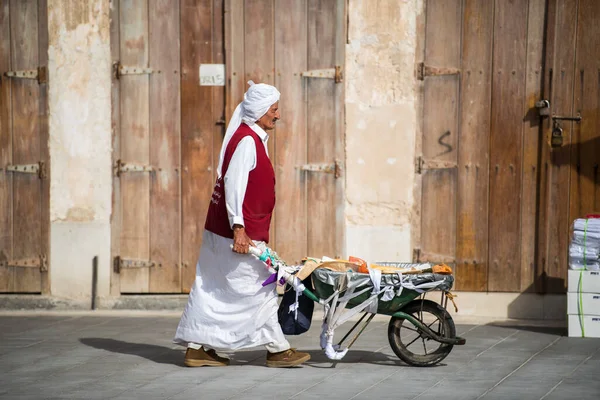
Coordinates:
x,y
123,357
459,389
588,389
21,325
526,389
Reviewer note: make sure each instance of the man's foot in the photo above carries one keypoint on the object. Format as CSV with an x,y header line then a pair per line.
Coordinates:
x,y
201,358
286,358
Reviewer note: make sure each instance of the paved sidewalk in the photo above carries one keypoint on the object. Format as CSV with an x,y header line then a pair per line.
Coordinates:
x,y
121,355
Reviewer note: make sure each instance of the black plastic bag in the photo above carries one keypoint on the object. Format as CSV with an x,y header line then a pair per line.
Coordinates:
x,y
287,319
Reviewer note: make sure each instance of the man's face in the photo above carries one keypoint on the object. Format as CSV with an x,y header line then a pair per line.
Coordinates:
x,y
267,121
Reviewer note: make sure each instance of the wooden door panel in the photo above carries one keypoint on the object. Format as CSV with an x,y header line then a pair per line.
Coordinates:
x,y
44,136
585,145
163,36
218,93
168,122
164,135
134,145
116,215
7,274
531,143
259,41
555,168
199,130
290,47
274,42
506,145
26,142
321,130
23,127
483,214
473,173
235,48
569,172
440,129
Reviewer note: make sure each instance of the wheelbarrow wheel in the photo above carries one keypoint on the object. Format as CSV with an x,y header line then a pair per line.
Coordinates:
x,y
414,347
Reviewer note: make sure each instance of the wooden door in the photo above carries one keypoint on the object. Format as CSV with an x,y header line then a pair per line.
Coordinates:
x,y
169,129
570,181
166,133
497,200
24,189
479,156
296,46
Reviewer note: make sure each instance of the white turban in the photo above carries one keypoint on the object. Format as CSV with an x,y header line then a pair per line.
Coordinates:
x,y
257,101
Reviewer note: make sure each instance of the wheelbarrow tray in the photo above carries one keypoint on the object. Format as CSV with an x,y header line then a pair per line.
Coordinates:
x,y
326,281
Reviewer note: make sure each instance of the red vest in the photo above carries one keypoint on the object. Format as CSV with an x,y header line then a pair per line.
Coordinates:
x,y
259,200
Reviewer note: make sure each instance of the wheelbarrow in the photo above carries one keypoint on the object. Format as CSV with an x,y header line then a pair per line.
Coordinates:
x,y
421,332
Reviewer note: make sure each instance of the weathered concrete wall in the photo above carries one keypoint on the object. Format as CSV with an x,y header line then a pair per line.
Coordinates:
x,y
79,69
381,127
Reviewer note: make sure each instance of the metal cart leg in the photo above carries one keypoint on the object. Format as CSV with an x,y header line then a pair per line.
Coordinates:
x,y
371,315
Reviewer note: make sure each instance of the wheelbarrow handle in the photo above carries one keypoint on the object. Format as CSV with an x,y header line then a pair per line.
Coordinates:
x,y
255,251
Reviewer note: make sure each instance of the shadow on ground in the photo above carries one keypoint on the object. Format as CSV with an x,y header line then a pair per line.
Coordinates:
x,y
165,355
549,330
318,359
155,353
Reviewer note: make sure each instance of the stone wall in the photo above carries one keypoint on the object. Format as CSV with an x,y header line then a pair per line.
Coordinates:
x,y
79,73
381,127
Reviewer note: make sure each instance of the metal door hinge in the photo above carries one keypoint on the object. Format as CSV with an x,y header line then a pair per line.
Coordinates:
x,y
335,168
40,262
120,263
39,169
329,73
420,256
422,164
121,167
119,70
40,74
428,70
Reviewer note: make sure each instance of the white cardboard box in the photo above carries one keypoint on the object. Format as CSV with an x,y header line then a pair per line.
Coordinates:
x,y
591,325
590,303
590,281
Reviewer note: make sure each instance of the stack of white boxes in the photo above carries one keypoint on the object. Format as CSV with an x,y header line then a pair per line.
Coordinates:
x,y
583,297
583,303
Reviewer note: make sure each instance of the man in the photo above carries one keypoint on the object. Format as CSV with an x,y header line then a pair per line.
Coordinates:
x,y
228,308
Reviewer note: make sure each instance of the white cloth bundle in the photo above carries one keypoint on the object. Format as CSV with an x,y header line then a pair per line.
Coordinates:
x,y
578,263
588,266
257,101
593,225
591,239
584,250
578,251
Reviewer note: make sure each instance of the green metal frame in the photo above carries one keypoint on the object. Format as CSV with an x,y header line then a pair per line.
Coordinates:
x,y
325,291
391,308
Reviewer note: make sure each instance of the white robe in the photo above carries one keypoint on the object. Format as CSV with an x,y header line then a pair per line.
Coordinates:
x,y
228,309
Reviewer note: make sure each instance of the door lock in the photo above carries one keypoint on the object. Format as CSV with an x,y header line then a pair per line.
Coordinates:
x,y
556,138
543,107
576,118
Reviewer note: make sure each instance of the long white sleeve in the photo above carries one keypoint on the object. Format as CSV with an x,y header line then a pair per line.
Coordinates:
x,y
236,179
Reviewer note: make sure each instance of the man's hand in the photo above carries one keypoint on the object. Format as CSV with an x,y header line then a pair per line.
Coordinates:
x,y
241,241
